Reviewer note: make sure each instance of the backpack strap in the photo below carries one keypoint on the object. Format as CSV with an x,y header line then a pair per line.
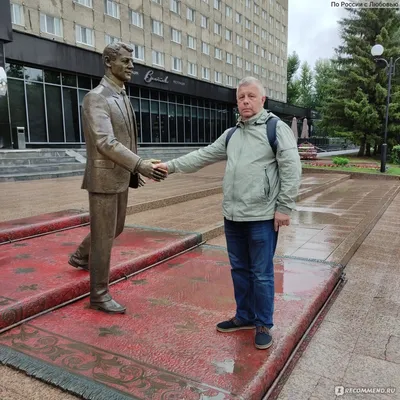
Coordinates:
x,y
229,135
271,133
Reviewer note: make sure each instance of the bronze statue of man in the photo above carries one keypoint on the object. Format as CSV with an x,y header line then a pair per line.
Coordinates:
x,y
112,166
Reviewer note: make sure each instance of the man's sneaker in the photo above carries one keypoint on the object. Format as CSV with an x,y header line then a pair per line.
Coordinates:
x,y
263,338
233,325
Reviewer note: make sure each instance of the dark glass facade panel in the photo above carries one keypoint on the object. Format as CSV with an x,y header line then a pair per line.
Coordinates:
x,y
155,122
15,71
218,123
188,124
95,82
54,113
201,124
146,124
144,93
16,93
36,112
172,122
68,80
136,108
5,134
181,125
134,91
84,82
195,129
81,95
207,126
33,74
52,77
163,96
70,98
213,127
164,121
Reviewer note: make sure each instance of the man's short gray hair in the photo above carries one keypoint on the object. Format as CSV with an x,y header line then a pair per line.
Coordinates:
x,y
111,51
250,80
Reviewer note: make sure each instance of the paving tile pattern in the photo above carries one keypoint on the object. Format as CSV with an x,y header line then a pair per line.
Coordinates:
x,y
357,344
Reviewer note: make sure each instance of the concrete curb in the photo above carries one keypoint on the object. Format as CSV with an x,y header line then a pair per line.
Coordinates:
x,y
168,201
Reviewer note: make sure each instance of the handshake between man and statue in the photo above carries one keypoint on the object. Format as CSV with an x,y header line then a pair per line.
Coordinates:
x,y
260,188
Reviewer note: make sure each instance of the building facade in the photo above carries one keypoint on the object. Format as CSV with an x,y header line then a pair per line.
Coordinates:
x,y
188,55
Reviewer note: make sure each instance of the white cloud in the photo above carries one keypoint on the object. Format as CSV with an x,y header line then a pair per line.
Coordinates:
x,y
313,29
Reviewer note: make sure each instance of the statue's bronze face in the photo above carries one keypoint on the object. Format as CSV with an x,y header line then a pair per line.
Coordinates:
x,y
122,66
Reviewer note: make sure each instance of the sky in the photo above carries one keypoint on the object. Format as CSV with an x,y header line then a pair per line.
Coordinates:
x,y
313,29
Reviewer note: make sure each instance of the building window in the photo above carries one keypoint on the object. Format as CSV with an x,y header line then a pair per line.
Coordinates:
x,y
239,62
84,35
111,8
229,80
264,34
248,4
204,22
176,36
248,66
217,29
247,44
229,58
51,25
205,73
191,42
110,39
256,49
264,15
192,69
228,34
228,11
190,14
175,6
218,53
137,19
256,69
263,72
218,77
176,64
238,18
205,48
248,24
17,14
158,58
239,40
157,2
86,3
263,53
217,4
157,27
256,9
138,52
256,29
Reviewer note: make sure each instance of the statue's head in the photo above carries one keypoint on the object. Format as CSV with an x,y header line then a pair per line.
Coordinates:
x,y
118,61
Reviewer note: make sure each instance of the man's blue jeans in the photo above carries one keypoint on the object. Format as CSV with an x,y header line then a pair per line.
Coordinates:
x,y
251,248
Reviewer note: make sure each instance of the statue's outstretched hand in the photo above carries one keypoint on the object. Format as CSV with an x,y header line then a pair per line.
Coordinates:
x,y
148,168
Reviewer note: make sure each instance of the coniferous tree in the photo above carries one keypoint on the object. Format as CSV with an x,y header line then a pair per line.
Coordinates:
x,y
356,108
293,64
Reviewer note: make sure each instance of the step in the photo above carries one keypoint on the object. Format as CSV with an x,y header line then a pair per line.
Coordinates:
x,y
37,175
31,153
40,168
4,162
37,268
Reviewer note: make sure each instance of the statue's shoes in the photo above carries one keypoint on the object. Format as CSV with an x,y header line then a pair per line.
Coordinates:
x,y
110,307
78,262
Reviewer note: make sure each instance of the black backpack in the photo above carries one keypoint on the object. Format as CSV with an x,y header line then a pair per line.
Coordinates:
x,y
271,133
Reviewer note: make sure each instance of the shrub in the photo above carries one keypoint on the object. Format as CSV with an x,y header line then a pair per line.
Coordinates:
x,y
395,156
340,161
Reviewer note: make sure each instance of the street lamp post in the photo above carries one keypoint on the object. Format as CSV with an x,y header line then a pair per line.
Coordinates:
x,y
376,52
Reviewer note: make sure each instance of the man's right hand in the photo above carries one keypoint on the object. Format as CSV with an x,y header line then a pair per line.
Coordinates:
x,y
152,171
162,166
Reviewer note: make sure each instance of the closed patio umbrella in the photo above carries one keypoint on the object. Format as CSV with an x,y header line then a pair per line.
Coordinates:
x,y
304,131
294,128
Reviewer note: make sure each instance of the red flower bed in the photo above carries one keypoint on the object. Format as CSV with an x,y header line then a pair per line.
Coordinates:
x,y
326,164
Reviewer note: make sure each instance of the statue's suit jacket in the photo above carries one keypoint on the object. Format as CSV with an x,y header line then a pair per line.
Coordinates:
x,y
110,130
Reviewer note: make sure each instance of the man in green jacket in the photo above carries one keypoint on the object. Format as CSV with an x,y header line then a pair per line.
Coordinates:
x,y
260,189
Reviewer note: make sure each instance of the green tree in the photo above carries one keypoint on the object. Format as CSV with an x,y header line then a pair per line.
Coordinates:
x,y
356,108
293,64
306,86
